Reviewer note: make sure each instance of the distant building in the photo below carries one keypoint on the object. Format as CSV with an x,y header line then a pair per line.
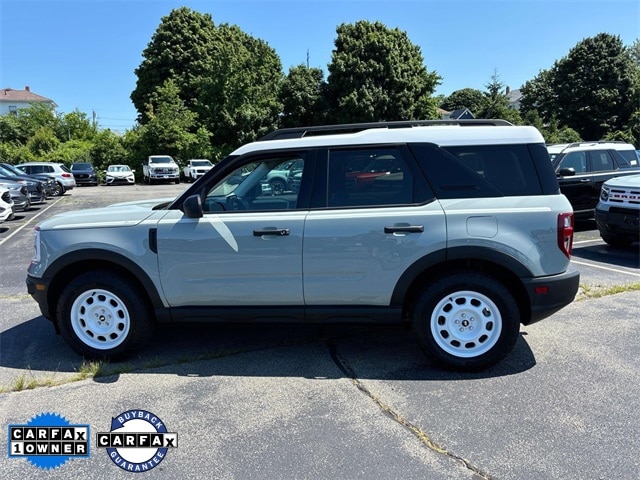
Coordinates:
x,y
514,97
460,114
12,100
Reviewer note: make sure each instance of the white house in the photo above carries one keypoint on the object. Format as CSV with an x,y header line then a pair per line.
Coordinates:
x,y
12,100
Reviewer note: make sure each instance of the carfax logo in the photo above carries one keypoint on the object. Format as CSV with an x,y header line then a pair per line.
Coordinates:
x,y
138,440
48,440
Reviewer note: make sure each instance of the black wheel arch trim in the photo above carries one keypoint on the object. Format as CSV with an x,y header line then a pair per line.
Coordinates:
x,y
470,253
119,260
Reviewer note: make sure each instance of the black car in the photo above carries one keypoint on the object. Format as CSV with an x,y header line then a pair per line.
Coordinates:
x,y
84,173
50,185
582,168
36,188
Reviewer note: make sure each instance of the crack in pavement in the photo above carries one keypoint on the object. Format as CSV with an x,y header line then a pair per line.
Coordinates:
x,y
387,410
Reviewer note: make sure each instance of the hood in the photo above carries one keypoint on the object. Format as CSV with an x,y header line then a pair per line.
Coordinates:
x,y
629,181
125,214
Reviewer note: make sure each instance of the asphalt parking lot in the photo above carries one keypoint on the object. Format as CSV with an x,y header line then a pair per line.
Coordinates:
x,y
339,402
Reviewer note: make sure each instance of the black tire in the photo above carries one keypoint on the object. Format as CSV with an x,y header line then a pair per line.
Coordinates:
x,y
466,321
58,190
277,186
103,315
617,241
177,181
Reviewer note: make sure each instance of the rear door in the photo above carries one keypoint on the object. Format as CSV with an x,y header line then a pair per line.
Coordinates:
x,y
366,228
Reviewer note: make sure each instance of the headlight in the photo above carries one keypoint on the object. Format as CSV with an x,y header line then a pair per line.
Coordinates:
x,y
604,194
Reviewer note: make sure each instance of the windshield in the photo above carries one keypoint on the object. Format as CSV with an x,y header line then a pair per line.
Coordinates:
x,y
160,160
118,168
6,172
81,166
201,163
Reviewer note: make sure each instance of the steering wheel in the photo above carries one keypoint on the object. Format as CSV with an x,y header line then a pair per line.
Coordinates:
x,y
234,202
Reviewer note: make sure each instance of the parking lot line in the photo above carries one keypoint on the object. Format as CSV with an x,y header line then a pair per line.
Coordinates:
x,y
30,220
617,270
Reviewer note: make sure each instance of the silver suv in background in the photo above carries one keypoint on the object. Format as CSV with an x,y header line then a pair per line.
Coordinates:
x,y
63,176
464,236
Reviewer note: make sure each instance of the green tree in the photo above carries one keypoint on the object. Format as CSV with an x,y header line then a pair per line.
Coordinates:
x,y
376,73
302,96
35,117
591,90
180,49
169,129
239,96
464,98
75,126
108,148
43,142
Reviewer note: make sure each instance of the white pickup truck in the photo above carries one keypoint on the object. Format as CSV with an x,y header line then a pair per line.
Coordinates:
x,y
196,168
159,168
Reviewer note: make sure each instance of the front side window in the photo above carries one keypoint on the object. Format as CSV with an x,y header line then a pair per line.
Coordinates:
x,y
261,185
575,160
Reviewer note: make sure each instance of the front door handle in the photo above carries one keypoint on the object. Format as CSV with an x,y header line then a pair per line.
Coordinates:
x,y
278,232
404,229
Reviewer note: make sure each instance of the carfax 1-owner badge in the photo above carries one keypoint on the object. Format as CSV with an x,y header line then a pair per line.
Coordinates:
x,y
138,440
48,440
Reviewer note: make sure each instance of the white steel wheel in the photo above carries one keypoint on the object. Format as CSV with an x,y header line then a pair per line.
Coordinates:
x,y
466,320
100,319
466,324
103,315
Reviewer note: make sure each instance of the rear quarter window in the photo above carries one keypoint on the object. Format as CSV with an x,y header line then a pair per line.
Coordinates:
x,y
485,170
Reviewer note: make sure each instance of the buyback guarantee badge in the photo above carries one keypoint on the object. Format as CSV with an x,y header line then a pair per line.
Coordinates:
x,y
138,441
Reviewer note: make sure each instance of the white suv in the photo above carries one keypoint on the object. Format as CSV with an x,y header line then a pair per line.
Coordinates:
x,y
618,211
465,236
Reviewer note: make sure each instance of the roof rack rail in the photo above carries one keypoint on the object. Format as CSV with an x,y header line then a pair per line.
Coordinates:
x,y
579,144
299,132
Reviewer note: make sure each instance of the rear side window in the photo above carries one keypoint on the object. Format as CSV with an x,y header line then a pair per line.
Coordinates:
x,y
371,177
480,170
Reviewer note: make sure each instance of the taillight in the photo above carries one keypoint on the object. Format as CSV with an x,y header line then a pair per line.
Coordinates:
x,y
565,233
66,175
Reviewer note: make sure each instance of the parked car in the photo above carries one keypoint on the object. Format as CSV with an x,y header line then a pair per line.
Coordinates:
x,y
19,194
119,175
618,211
62,174
583,167
159,168
468,239
50,184
6,205
280,180
35,188
196,168
84,173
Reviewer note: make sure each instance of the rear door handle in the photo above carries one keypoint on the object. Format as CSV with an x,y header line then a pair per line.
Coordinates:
x,y
404,229
278,232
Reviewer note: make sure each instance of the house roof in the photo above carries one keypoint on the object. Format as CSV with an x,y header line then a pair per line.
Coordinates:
x,y
26,95
514,95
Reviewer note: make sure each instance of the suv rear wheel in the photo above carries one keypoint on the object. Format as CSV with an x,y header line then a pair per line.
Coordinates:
x,y
466,320
103,315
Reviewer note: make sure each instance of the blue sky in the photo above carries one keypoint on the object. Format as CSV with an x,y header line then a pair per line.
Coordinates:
x,y
82,53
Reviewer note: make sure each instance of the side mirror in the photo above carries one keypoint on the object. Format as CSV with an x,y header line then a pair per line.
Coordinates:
x,y
567,172
133,171
192,206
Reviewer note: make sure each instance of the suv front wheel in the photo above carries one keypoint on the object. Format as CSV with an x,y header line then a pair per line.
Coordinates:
x,y
103,315
466,320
